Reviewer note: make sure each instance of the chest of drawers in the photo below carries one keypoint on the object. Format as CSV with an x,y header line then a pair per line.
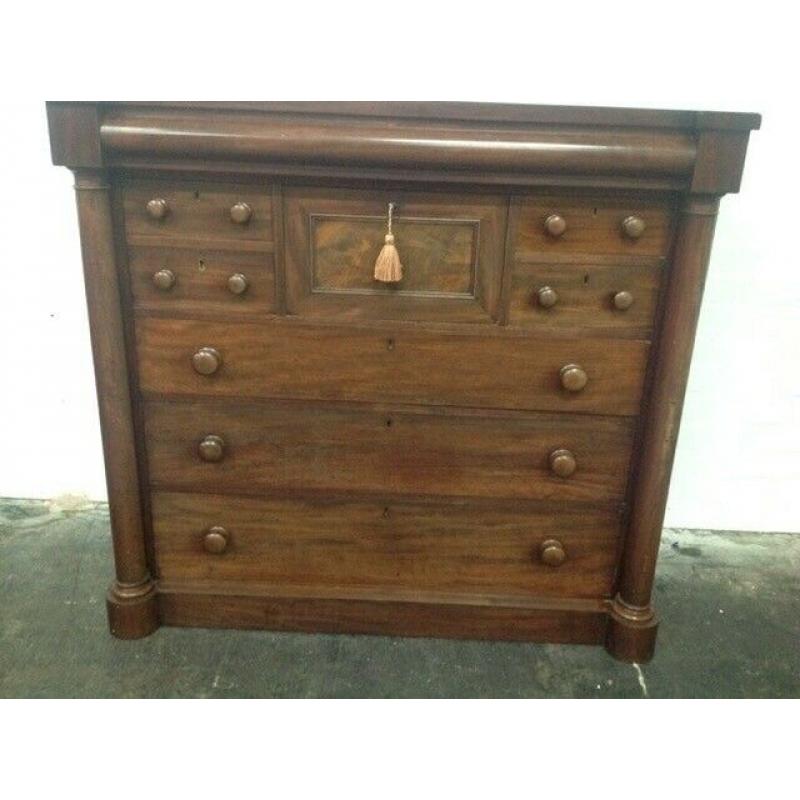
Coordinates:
x,y
481,448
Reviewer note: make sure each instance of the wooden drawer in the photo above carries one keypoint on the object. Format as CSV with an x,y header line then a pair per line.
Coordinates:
x,y
593,226
451,247
336,546
278,447
207,280
198,211
285,359
587,298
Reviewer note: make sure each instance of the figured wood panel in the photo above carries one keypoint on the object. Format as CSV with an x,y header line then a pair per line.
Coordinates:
x,y
594,226
398,546
451,247
286,359
290,447
585,298
197,210
202,280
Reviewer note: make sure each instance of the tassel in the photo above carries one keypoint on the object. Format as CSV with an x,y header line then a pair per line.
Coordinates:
x,y
388,268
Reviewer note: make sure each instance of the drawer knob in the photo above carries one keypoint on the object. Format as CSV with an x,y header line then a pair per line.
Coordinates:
x,y
216,540
573,377
552,553
164,280
547,297
555,225
241,213
206,361
633,227
563,463
211,448
157,208
623,301
238,283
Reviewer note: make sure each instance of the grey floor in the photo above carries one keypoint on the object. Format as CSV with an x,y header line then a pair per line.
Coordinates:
x,y
729,604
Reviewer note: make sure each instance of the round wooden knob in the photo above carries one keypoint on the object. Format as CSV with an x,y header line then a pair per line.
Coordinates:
x,y
623,301
547,297
164,280
216,540
157,208
241,213
555,225
563,463
573,377
238,283
211,448
552,553
206,361
633,227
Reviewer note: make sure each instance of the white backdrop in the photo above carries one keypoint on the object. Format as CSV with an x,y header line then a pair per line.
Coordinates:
x,y
738,461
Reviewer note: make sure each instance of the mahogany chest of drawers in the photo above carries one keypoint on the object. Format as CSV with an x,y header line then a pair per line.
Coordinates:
x,y
478,445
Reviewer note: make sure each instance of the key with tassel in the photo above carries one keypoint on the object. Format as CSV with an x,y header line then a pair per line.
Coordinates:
x,y
388,268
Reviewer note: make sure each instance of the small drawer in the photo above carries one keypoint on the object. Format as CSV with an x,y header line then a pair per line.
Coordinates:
x,y
459,549
205,211
590,299
451,248
280,358
190,280
550,226
248,448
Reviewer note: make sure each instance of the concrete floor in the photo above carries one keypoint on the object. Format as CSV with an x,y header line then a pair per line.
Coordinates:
x,y
729,605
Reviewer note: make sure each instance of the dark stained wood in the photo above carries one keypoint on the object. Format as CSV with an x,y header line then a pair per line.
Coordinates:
x,y
664,406
201,280
131,599
280,447
423,367
451,248
579,622
592,226
584,298
457,548
291,446
196,212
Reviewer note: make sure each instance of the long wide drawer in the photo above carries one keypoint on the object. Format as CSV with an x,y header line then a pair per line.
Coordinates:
x,y
459,549
287,359
279,446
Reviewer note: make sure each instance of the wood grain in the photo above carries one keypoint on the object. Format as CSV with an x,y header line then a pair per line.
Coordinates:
x,y
585,298
594,226
197,211
457,548
201,285
284,359
451,247
278,447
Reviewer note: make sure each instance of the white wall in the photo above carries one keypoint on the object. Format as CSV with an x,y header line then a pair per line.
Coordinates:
x,y
738,461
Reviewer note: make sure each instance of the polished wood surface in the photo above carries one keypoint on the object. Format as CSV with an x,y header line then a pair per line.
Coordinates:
x,y
425,367
280,447
481,448
385,544
586,298
451,247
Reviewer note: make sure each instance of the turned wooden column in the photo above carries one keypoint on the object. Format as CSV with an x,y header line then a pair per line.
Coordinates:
x,y
633,623
131,601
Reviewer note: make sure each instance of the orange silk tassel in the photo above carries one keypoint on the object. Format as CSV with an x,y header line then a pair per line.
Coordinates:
x,y
388,268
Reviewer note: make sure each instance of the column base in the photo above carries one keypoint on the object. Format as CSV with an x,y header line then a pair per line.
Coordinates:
x,y
132,610
632,630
